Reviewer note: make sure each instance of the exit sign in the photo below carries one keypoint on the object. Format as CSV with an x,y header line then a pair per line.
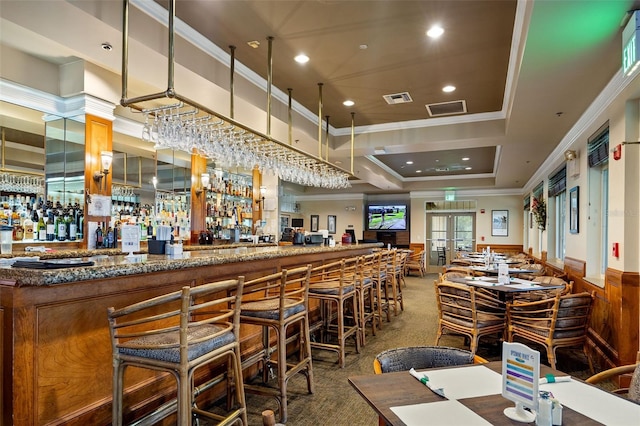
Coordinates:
x,y
631,44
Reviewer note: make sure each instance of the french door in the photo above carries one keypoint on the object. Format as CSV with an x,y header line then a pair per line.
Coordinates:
x,y
454,232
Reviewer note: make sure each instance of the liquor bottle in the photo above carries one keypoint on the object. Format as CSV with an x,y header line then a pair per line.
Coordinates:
x,y
99,236
80,225
150,230
42,229
72,228
28,228
110,243
51,226
61,228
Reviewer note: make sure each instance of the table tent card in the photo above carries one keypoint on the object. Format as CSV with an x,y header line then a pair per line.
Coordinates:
x,y
520,380
503,274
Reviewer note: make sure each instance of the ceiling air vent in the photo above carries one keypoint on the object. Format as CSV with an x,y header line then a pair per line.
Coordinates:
x,y
447,108
398,98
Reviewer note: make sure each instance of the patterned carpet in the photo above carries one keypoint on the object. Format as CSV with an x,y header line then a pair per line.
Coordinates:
x,y
335,402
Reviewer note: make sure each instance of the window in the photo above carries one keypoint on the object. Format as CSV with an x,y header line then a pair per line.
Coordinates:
x,y
557,210
560,215
597,229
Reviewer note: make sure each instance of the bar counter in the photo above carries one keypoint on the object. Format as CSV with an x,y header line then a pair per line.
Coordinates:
x,y
55,361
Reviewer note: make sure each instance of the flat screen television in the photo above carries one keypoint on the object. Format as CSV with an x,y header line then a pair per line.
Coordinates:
x,y
297,222
387,217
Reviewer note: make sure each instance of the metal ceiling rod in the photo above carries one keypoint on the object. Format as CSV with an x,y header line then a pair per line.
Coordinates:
x,y
320,120
326,158
232,68
290,117
269,82
353,126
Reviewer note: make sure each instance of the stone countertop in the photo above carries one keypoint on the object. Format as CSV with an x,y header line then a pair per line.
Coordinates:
x,y
58,253
115,264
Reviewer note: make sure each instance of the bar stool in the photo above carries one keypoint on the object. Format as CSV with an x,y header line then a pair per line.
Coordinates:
x,y
367,313
379,275
334,285
279,301
179,333
393,283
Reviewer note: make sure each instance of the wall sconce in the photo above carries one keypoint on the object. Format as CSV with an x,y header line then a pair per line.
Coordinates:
x,y
570,155
154,181
106,158
263,191
204,182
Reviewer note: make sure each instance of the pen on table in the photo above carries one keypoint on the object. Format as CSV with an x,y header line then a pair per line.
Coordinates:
x,y
424,379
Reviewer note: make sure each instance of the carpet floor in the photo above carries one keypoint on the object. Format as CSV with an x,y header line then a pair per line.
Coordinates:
x,y
335,402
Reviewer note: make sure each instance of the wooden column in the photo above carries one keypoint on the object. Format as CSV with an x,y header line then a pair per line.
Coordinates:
x,y
198,202
257,208
98,137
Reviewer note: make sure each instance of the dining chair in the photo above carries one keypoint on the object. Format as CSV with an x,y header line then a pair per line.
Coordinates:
x,y
465,310
556,322
537,270
179,333
442,255
531,296
277,302
446,276
633,391
333,285
422,357
416,262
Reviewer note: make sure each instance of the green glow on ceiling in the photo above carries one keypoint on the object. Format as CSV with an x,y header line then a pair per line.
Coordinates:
x,y
568,27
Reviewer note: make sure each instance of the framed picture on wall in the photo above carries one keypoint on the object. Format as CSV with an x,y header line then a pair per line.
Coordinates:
x,y
573,210
315,219
499,223
331,224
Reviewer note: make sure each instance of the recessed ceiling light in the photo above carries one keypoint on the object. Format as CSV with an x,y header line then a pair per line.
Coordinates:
x,y
409,162
435,31
467,168
254,44
448,89
363,47
301,58
348,103
107,46
465,158
418,171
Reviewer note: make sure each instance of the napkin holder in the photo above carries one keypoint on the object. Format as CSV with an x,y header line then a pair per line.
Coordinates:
x,y
156,246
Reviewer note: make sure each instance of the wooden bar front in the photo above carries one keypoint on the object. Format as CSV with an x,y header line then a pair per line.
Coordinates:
x,y
56,353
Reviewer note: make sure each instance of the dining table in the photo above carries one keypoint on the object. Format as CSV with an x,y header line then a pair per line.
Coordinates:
x,y
473,396
495,270
506,292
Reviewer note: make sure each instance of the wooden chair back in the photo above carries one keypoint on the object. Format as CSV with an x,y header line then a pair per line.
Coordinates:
x,y
143,326
290,287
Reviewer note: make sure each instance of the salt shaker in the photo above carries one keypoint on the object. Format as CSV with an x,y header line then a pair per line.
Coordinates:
x,y
544,415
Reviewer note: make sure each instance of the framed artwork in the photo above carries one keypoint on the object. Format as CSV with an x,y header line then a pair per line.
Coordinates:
x,y
331,224
574,202
315,219
499,223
